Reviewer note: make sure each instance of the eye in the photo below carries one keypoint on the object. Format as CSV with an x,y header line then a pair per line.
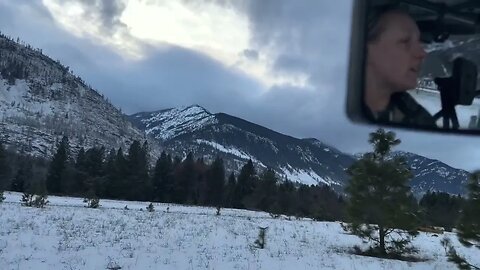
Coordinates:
x,y
405,42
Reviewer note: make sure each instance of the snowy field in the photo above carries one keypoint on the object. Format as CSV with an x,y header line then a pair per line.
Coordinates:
x,y
66,235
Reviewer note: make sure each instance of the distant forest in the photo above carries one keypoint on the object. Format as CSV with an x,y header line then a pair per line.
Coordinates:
x,y
127,175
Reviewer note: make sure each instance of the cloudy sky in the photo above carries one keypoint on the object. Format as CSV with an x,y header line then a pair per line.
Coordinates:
x,y
281,64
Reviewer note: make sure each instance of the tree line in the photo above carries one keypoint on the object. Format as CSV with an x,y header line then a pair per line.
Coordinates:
x,y
127,175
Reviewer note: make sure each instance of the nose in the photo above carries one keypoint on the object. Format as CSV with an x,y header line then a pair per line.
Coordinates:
x,y
419,51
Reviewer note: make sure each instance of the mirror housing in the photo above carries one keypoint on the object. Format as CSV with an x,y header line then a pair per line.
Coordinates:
x,y
438,21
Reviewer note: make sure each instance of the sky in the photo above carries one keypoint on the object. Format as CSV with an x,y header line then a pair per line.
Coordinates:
x,y
280,64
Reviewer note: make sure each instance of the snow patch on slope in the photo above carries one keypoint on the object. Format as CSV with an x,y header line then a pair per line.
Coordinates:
x,y
174,122
307,177
230,150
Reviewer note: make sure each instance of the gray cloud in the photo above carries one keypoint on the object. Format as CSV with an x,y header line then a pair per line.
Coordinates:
x,y
107,12
250,54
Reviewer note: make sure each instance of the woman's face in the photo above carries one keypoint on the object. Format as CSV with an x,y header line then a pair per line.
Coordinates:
x,y
395,57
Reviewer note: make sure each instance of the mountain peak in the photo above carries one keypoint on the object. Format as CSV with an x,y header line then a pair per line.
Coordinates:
x,y
169,123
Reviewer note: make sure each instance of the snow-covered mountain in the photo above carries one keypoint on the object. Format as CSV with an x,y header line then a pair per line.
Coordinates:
x,y
194,129
308,161
434,175
41,100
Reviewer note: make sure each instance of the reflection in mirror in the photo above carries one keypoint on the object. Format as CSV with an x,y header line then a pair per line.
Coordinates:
x,y
420,64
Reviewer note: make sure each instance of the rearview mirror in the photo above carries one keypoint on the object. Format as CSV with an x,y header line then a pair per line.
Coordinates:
x,y
414,64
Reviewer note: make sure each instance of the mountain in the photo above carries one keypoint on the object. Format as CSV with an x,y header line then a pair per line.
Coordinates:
x,y
194,129
440,55
309,161
434,175
41,101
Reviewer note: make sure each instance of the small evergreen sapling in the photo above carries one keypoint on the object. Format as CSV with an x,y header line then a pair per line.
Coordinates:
x,y
378,178
92,202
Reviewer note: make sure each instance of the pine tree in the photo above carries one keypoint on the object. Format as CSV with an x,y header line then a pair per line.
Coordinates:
x,y
80,174
94,183
440,209
138,181
57,168
469,224
161,178
229,190
35,194
245,184
285,201
185,177
150,208
118,177
5,168
264,194
24,174
468,227
111,187
374,179
215,183
200,189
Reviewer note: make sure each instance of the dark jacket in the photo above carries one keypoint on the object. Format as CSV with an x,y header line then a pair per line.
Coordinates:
x,y
403,109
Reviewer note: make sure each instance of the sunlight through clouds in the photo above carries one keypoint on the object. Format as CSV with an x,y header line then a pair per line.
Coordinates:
x,y
76,18
218,31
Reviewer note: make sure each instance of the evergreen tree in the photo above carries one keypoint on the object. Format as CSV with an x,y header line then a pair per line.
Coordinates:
x,y
440,209
264,194
185,177
379,197
119,177
215,183
24,174
111,186
229,190
285,201
57,168
5,168
245,184
162,179
200,189
93,161
80,174
138,181
468,226
94,183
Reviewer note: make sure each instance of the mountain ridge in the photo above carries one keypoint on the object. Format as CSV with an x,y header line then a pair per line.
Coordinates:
x,y
306,160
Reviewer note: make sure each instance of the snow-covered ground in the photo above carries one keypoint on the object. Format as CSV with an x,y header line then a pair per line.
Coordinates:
x,y
430,100
66,235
